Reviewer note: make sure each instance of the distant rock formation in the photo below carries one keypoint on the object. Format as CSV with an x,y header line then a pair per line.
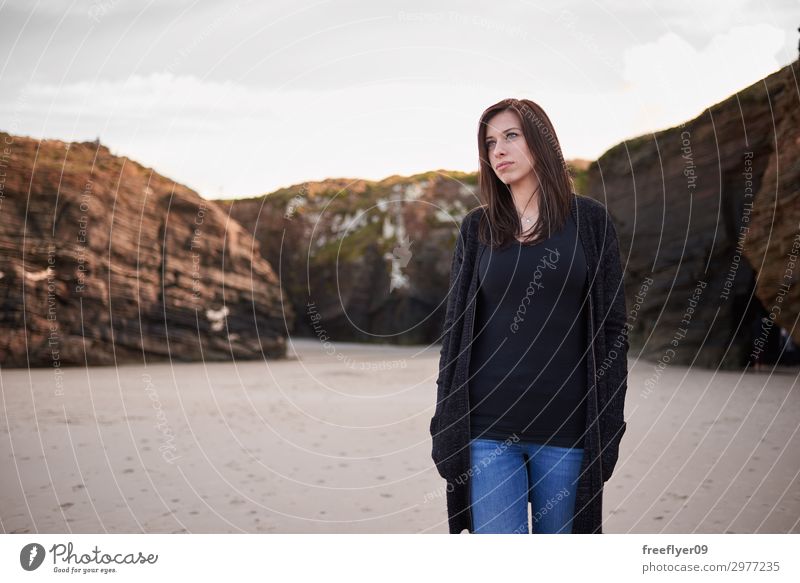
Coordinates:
x,y
709,221
363,261
106,262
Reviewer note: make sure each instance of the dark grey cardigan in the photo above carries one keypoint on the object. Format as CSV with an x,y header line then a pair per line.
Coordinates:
x,y
607,367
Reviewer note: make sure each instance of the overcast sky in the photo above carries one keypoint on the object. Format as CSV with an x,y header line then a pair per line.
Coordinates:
x,y
239,98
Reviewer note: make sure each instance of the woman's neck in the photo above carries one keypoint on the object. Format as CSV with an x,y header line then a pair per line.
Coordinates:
x,y
526,197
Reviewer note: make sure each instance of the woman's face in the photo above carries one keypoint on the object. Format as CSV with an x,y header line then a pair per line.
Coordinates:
x,y
506,148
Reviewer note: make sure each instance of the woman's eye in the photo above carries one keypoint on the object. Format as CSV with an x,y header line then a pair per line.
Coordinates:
x,y
509,134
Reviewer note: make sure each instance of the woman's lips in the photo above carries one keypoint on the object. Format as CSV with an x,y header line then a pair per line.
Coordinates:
x,y
504,165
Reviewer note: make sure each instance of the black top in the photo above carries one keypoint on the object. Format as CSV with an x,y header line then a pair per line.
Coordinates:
x,y
528,361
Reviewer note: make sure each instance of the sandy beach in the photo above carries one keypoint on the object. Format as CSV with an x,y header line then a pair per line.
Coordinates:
x,y
337,442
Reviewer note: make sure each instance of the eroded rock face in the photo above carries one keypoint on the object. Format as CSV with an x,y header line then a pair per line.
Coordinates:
x,y
773,242
363,261
707,213
107,262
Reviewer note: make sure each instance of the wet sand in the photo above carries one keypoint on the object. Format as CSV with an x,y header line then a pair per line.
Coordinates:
x,y
329,443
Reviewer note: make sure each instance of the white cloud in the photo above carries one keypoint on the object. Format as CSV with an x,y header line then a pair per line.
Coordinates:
x,y
669,81
154,95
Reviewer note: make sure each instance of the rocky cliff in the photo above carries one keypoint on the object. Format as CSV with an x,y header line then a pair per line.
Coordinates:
x,y
709,220
363,261
106,262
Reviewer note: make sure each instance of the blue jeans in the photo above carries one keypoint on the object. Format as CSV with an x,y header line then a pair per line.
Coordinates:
x,y
505,475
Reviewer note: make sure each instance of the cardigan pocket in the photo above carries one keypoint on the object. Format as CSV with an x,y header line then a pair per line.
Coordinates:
x,y
610,452
443,453
434,425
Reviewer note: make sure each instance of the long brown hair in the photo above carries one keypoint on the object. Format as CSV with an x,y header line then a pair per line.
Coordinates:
x,y
551,169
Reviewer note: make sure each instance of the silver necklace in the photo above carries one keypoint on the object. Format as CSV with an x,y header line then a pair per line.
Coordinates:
x,y
526,219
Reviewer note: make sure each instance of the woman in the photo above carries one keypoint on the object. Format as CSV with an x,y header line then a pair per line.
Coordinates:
x,y
533,366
